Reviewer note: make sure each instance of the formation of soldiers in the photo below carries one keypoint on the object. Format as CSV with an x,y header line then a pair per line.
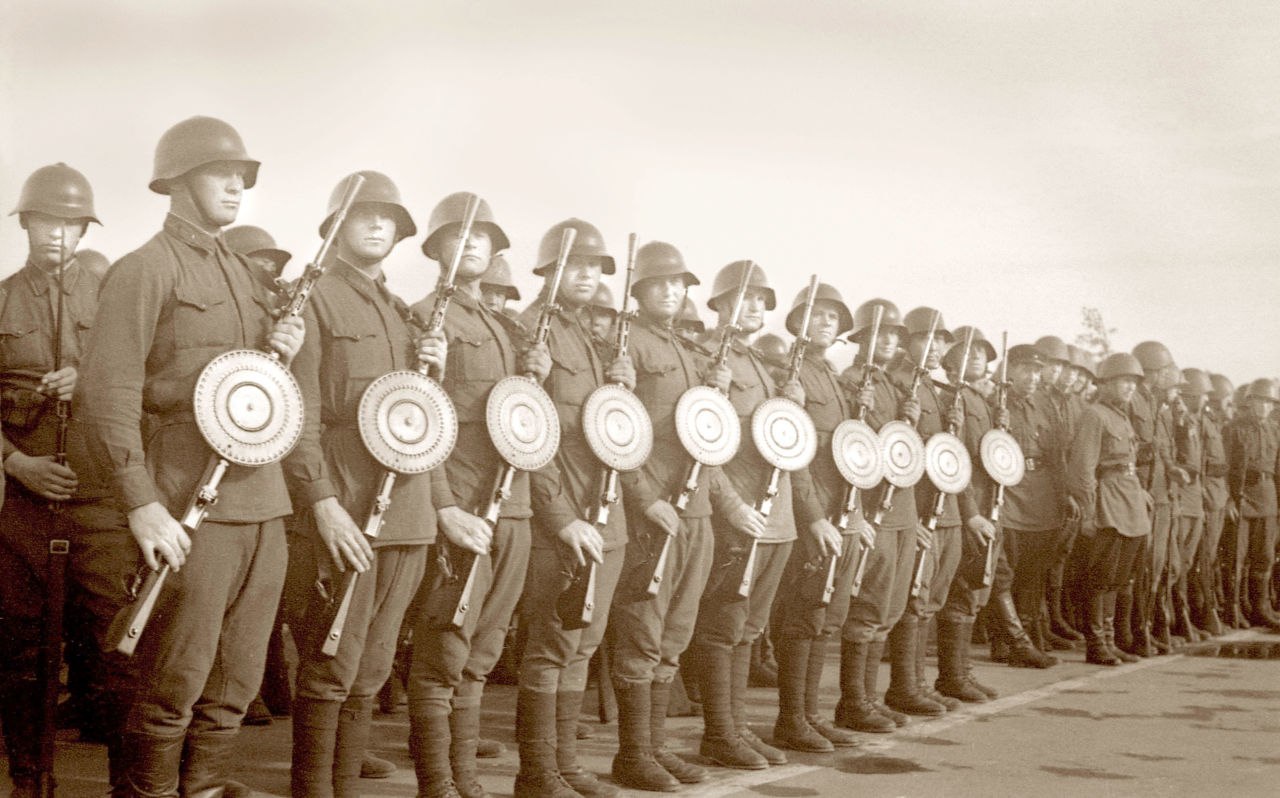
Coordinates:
x,y
186,431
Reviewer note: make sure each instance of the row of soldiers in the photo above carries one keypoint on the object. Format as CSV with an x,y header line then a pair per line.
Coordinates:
x,y
1113,531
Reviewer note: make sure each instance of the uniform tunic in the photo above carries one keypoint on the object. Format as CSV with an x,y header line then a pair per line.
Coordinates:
x,y
1035,504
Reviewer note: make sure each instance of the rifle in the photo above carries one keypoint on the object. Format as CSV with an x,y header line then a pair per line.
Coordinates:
x,y
576,604
129,623
991,555
457,597
850,505
445,288
886,503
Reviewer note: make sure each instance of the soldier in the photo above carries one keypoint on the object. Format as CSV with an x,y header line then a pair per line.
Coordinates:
x,y
1252,444
772,351
1189,511
882,600
496,286
450,664
688,323
801,625
566,496
1103,487
259,248
171,306
359,331
1056,376
601,314
1203,599
52,494
650,632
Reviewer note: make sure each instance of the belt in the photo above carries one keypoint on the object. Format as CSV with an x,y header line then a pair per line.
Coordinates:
x,y
1253,477
1032,465
1120,468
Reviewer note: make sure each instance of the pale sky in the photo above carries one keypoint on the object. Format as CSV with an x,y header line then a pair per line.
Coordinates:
x,y
1006,162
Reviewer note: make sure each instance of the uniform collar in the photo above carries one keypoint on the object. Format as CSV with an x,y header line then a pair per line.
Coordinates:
x,y
188,233
41,281
663,330
359,280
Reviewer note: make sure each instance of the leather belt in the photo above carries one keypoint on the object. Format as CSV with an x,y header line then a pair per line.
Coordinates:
x,y
1032,464
1120,468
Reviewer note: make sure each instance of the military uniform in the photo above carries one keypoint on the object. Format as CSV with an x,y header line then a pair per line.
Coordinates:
x,y
1252,448
1189,523
1153,423
1204,587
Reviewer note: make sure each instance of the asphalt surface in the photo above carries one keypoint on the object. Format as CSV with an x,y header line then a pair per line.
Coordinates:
x,y
1204,722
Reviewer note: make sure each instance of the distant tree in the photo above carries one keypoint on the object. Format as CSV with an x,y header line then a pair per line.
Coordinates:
x,y
1096,337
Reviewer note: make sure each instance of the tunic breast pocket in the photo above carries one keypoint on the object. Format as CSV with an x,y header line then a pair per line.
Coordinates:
x,y
203,319
361,353
475,358
21,346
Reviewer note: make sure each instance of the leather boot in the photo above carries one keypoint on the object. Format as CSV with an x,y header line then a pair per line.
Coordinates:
x,y
429,736
568,709
634,765
738,706
315,733
1021,651
1052,642
1183,626
1109,631
205,762
854,709
20,719
464,734
154,761
952,679
871,675
684,772
966,663
1096,650
924,687
721,742
904,693
792,729
1161,637
354,724
1123,624
1057,621
1261,613
812,706
539,776
375,767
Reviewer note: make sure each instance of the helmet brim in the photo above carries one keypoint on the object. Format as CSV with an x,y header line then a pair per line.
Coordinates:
x,y
161,185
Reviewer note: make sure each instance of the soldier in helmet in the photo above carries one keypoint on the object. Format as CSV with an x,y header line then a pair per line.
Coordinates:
x,y
259,248
566,498
1189,510
449,666
171,306
1199,588
496,286
801,624
688,323
601,314
650,632
1252,445
773,352
358,331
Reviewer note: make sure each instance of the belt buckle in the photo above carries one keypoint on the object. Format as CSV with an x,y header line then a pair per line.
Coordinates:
x,y
1030,463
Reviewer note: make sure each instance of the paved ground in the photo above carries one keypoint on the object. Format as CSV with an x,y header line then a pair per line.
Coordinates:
x,y
1192,724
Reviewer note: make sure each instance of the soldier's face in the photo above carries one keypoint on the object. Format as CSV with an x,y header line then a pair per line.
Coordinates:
x,y
1194,402
824,323
751,319
1121,389
493,297
1024,378
1227,407
580,280
266,264
49,238
917,345
887,345
216,190
1068,377
1051,372
368,234
475,254
1260,409
660,297
602,324
976,368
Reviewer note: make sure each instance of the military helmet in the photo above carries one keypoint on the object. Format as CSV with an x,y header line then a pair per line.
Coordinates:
x,y
1222,387
498,275
729,280
1025,353
773,350
449,214
57,190
864,317
659,259
93,260
249,240
1121,364
952,357
588,244
826,293
194,142
1264,389
377,189
1196,382
1054,348
688,319
602,300
918,321
1153,355
1088,363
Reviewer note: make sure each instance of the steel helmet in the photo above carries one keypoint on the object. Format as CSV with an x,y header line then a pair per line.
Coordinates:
x,y
194,142
498,275
1196,382
377,189
1088,363
589,245
1054,348
952,357
1121,364
449,214
1264,389
918,320
249,240
826,293
1153,355
864,317
602,300
729,279
1222,387
773,350
93,260
688,319
57,190
1025,353
659,259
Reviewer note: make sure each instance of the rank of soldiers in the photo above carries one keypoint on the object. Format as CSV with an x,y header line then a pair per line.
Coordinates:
x,y
199,453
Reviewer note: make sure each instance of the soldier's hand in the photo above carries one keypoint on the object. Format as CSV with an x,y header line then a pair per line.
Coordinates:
x,y
664,516
827,536
583,540
982,527
911,411
60,384
955,418
536,361
1233,512
720,377
471,532
1074,512
433,350
1002,417
867,398
924,536
347,545
747,519
866,532
159,536
286,337
1183,476
794,391
42,476
622,372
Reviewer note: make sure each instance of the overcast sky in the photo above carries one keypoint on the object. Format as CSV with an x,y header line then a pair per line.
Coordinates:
x,y
1007,162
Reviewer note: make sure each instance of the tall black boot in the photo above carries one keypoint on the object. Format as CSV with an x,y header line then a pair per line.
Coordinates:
x,y
154,761
738,706
953,639
854,710
813,706
464,731
904,684
315,731
792,729
634,765
871,675
539,776
568,708
684,771
721,742
1057,620
20,712
205,764
429,737
1022,651
351,741
1100,624
923,686
1261,613
966,664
